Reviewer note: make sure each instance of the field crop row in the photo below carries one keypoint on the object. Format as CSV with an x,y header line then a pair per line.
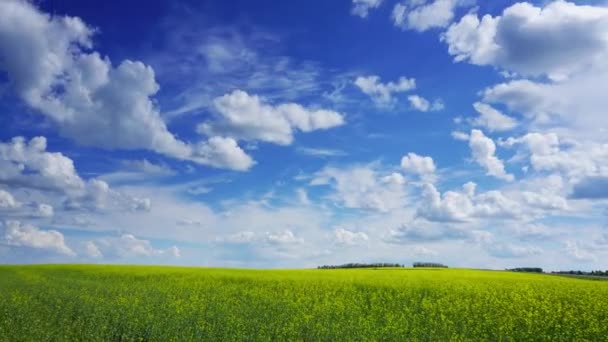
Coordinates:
x,y
95,303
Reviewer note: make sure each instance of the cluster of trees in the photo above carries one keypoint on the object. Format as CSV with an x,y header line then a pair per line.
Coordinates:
x,y
592,273
526,269
429,264
357,265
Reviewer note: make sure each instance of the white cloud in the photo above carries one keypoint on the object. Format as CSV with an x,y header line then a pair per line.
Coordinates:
x,y
466,205
492,119
282,237
29,164
347,237
483,152
458,135
363,187
452,206
420,103
91,250
24,235
573,107
97,195
382,93
361,8
174,251
545,200
201,62
574,160
91,101
127,245
556,40
424,251
422,166
44,210
147,167
394,178
399,15
422,17
248,117
278,238
577,251
240,238
321,152
303,196
224,153
225,53
7,201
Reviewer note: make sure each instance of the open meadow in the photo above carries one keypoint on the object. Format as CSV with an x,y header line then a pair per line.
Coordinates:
x,y
138,303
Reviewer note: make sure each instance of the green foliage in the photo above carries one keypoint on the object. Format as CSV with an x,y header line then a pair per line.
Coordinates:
x,y
526,269
359,265
125,303
428,264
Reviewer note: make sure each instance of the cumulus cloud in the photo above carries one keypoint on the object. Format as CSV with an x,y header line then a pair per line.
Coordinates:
x,y
248,117
19,234
91,250
555,40
243,237
361,8
394,178
7,201
347,237
492,119
51,65
224,153
458,135
127,245
363,187
303,196
423,166
382,93
278,238
11,207
421,104
91,101
578,251
574,160
97,195
423,16
44,210
483,151
466,205
282,237
573,106
28,165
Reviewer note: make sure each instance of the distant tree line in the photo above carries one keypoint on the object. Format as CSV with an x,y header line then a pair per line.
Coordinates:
x,y
592,273
429,264
358,265
526,269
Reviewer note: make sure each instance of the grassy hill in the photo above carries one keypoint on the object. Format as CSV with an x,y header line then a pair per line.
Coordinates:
x,y
137,303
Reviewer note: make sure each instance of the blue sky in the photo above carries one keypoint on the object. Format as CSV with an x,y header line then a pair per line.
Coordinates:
x,y
300,133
